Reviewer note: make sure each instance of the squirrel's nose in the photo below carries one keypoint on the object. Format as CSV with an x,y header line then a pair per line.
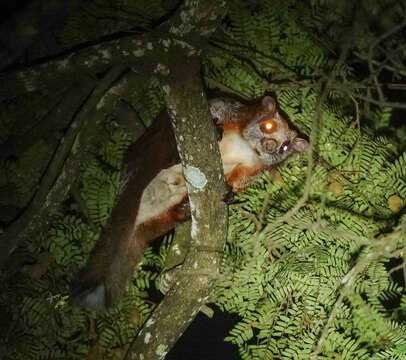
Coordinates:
x,y
284,147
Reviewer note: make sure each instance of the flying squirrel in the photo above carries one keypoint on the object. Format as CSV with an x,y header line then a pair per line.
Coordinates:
x,y
154,200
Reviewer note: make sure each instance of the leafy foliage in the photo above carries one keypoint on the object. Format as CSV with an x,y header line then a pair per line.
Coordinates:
x,y
287,274
283,274
43,317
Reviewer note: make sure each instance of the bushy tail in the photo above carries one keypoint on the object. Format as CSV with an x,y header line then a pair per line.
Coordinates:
x,y
111,264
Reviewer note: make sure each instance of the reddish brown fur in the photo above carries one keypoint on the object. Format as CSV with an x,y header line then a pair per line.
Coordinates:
x,y
163,223
233,127
241,177
115,255
123,242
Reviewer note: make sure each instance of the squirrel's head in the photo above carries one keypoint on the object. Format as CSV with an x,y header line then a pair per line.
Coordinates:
x,y
269,134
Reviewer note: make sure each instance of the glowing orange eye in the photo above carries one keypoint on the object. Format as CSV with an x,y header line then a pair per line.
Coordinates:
x,y
268,126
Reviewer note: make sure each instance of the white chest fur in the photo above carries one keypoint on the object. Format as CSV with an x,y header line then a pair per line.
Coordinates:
x,y
164,191
236,151
168,188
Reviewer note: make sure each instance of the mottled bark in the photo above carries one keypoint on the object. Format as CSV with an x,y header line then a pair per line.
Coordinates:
x,y
144,53
196,139
197,146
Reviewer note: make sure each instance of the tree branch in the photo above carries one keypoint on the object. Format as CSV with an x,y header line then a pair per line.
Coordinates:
x,y
197,146
185,29
202,169
60,173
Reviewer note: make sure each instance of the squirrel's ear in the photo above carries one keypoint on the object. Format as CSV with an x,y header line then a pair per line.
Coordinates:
x,y
217,108
224,109
269,103
300,145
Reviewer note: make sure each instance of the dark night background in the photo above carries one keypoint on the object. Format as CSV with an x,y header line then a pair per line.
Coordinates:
x,y
204,337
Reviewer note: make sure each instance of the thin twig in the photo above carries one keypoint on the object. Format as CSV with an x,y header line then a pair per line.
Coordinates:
x,y
347,283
